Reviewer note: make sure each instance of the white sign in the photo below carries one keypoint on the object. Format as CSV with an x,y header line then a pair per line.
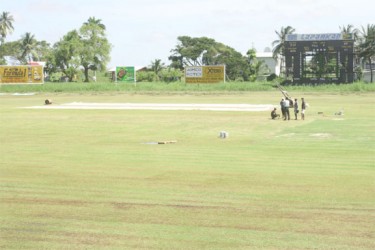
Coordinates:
x,y
194,72
315,37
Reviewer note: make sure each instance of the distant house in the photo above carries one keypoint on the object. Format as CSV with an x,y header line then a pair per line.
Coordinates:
x,y
367,73
37,63
272,63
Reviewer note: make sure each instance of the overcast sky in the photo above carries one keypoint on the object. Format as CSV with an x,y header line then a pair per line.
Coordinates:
x,y
141,31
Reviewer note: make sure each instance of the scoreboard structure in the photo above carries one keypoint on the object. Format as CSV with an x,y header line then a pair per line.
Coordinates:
x,y
319,58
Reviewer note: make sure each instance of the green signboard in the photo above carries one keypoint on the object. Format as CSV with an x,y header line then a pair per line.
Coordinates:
x,y
125,74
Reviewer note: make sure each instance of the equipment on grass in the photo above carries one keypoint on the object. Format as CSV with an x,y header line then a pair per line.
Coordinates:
x,y
159,142
286,95
166,142
284,92
223,134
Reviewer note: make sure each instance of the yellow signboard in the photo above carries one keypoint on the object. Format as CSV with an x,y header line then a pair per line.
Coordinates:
x,y
205,74
21,74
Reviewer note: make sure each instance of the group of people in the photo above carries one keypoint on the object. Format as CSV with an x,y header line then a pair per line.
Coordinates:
x,y
285,105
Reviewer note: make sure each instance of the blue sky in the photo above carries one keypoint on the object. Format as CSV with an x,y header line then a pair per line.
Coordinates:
x,y
141,31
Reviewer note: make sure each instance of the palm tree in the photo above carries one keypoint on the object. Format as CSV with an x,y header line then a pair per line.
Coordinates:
x,y
367,45
279,44
29,46
349,32
349,29
156,67
94,21
6,25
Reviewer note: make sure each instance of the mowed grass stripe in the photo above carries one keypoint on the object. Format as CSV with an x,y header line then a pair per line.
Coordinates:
x,y
77,179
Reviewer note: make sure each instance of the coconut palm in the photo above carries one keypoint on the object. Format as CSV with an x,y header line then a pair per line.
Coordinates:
x,y
367,45
94,21
349,29
6,25
279,44
29,46
156,67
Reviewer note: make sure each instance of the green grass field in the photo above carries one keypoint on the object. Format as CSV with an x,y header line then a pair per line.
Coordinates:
x,y
87,179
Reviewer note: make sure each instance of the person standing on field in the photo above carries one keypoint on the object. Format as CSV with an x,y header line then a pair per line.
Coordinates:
x,y
282,107
286,108
303,108
295,106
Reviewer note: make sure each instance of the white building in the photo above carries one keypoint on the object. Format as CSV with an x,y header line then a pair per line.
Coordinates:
x,y
272,63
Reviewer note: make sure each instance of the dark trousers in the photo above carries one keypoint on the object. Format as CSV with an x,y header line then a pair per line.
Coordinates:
x,y
286,114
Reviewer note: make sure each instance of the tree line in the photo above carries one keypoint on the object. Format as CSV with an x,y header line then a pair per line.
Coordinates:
x,y
84,49
88,48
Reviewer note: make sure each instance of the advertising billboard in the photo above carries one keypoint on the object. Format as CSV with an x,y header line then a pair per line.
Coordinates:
x,y
320,37
21,74
125,74
205,74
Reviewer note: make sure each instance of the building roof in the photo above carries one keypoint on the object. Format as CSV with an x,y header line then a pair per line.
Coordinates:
x,y
37,63
264,54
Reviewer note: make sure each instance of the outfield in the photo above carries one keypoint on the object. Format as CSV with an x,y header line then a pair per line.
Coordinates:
x,y
90,179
